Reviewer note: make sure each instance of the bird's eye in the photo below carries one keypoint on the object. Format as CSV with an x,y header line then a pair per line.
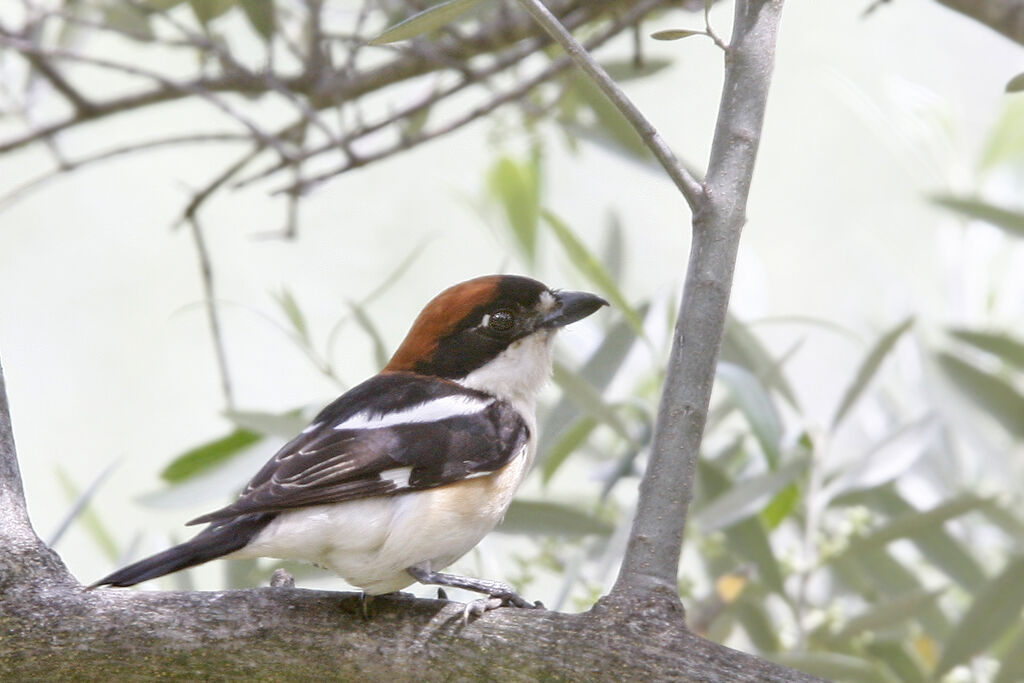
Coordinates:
x,y
501,321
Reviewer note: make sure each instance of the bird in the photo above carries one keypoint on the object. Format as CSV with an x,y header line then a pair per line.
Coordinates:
x,y
406,472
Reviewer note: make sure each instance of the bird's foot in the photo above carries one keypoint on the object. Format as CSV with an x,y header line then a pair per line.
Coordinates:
x,y
281,578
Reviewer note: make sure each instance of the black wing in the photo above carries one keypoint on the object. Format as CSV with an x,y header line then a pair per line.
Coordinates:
x,y
395,432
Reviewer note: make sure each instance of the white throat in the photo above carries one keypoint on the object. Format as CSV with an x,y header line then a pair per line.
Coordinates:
x,y
518,373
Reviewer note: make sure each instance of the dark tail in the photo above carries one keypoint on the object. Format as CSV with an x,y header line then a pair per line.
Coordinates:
x,y
215,541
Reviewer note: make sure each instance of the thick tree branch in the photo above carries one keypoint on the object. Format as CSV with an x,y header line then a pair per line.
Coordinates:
x,y
1004,16
651,564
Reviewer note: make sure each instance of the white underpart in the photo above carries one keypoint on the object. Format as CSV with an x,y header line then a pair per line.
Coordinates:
x,y
370,542
431,411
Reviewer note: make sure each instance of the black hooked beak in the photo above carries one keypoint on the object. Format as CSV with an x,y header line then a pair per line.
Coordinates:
x,y
572,306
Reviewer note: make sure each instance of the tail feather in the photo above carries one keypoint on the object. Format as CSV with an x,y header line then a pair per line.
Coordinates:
x,y
215,541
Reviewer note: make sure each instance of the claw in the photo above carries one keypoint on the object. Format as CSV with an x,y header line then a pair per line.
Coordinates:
x,y
282,579
479,606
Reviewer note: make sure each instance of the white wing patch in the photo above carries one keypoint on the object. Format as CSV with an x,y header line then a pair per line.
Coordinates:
x,y
399,476
431,411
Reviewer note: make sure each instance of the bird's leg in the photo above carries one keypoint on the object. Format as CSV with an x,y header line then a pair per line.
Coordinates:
x,y
497,592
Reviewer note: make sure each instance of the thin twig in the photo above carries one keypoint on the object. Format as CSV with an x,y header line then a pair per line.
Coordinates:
x,y
206,273
689,186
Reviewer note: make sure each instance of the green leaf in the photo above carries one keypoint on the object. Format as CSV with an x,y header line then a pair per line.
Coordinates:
x,y
598,371
831,666
571,439
202,458
1008,220
1011,664
612,127
295,316
208,10
589,265
756,405
741,347
995,609
587,397
887,613
748,497
938,545
748,539
534,517
781,507
83,511
380,349
919,522
517,186
423,22
993,395
627,69
676,34
260,14
900,658
1005,143
162,5
1015,84
887,459
1003,346
868,368
129,20
282,425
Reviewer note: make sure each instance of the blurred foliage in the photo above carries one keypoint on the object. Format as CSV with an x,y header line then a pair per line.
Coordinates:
x,y
858,549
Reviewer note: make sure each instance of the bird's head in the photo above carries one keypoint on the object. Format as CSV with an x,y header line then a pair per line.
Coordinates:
x,y
492,333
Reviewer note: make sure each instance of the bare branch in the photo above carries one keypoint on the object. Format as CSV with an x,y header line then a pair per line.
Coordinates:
x,y
1004,16
206,273
687,184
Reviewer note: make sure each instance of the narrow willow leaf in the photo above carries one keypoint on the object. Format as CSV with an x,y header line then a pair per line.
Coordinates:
x,y
888,459
260,14
198,460
742,347
534,517
868,368
754,618
993,395
571,439
919,522
129,19
676,34
208,10
1005,142
294,314
900,658
82,511
380,349
748,497
747,539
995,609
1011,664
1015,84
589,265
627,69
939,546
598,371
890,612
1005,347
831,666
781,506
282,425
756,405
423,22
1008,220
590,400
517,186
612,127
